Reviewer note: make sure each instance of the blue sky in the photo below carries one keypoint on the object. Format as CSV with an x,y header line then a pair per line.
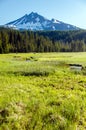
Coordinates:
x,y
69,11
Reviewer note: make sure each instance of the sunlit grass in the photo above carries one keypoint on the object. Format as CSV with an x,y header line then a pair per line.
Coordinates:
x,y
39,91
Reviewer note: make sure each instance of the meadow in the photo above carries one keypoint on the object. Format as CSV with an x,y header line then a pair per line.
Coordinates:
x,y
39,91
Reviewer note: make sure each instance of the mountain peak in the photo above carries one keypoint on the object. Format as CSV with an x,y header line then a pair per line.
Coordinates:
x,y
33,14
34,21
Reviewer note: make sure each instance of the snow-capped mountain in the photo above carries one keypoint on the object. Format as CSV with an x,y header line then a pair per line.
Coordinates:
x,y
36,22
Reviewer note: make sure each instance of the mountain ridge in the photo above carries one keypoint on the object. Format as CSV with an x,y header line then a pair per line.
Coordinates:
x,y
36,22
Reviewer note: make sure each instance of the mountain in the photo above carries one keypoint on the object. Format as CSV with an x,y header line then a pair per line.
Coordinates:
x,y
36,22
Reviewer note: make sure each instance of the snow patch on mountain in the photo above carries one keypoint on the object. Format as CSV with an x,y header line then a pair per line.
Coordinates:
x,y
31,26
55,21
37,19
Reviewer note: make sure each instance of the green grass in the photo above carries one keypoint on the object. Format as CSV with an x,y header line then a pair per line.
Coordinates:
x,y
39,91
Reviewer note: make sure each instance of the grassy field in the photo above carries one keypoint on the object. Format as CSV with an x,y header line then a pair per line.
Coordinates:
x,y
39,91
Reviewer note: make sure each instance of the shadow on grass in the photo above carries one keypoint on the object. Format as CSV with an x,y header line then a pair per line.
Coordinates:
x,y
29,73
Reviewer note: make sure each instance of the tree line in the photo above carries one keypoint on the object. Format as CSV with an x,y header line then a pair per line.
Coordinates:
x,y
50,41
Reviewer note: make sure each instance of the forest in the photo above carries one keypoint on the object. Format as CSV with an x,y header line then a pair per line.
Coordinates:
x,y
13,41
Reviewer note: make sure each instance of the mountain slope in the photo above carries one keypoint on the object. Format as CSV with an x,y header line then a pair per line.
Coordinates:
x,y
35,22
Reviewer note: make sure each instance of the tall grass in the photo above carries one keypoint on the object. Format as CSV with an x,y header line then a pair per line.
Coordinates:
x,y
40,92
